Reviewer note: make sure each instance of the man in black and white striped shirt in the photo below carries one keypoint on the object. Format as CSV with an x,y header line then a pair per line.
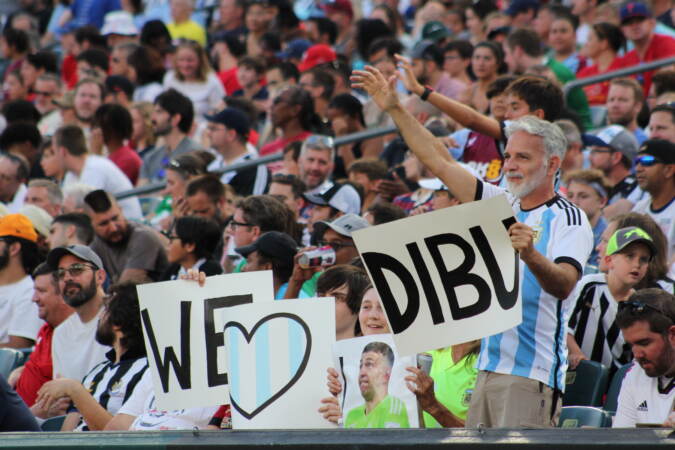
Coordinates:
x,y
110,383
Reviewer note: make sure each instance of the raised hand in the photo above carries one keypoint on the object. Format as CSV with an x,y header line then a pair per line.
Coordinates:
x,y
408,77
382,91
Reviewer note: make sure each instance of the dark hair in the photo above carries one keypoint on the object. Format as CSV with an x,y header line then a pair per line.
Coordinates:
x,y
115,122
433,53
538,93
236,47
659,313
464,48
270,41
123,311
308,118
252,63
203,233
324,79
174,103
349,105
288,70
19,132
381,348
390,44
326,26
91,34
385,212
82,223
208,184
30,254
44,60
155,34
344,274
71,137
663,82
266,212
374,169
22,169
526,39
297,185
393,17
21,111
45,269
497,52
483,7
295,147
498,86
612,34
148,64
95,57
18,39
367,30
244,105
566,15
99,201
187,165
661,108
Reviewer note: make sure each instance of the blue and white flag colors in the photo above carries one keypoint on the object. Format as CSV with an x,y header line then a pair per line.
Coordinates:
x,y
277,359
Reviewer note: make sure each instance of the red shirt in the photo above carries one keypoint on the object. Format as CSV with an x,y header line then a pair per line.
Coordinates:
x,y
38,369
660,47
128,161
69,70
229,80
597,93
278,146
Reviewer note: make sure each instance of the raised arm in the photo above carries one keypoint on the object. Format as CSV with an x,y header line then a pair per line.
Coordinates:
x,y
461,113
430,150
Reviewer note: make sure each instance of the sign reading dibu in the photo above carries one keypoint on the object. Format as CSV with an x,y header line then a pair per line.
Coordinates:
x,y
445,277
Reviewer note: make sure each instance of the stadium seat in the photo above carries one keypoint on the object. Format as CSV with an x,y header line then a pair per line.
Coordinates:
x,y
612,400
584,416
53,423
586,385
10,359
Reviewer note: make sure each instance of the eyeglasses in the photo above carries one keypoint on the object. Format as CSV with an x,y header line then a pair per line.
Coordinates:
x,y
647,160
638,307
168,235
336,245
234,224
601,150
74,270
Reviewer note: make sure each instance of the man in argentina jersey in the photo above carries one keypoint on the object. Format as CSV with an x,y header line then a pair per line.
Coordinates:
x,y
522,369
109,384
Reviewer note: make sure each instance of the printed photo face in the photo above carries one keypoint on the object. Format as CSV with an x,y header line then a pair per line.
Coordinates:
x,y
374,372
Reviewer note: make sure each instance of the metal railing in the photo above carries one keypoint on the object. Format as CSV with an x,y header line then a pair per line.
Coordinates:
x,y
342,140
644,67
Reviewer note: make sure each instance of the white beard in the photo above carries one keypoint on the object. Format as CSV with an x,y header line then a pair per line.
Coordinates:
x,y
526,187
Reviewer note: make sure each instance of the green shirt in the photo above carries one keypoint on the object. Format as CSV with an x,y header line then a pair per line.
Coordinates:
x,y
453,383
309,287
576,98
391,412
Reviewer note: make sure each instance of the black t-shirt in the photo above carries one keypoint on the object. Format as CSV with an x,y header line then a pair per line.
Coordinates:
x,y
14,414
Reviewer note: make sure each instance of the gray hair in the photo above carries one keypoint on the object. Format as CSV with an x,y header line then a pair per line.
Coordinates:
x,y
54,194
555,143
77,191
318,142
571,131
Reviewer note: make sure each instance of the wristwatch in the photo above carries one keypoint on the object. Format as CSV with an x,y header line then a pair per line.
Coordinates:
x,y
427,91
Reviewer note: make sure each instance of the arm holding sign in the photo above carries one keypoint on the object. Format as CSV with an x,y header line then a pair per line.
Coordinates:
x,y
422,385
430,150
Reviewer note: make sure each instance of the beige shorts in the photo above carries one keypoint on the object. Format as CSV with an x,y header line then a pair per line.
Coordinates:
x,y
509,401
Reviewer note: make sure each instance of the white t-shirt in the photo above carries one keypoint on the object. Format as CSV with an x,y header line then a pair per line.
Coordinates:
x,y
665,217
101,173
205,96
640,400
74,348
18,313
141,405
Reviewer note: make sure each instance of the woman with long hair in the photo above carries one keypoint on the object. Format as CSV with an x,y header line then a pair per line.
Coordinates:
x,y
604,43
487,63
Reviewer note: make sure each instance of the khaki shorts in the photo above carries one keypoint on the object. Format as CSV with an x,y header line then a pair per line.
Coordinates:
x,y
509,401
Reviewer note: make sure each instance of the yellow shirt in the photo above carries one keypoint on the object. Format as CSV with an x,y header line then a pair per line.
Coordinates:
x,y
188,30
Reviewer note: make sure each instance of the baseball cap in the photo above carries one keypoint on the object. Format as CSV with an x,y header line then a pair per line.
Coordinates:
x,y
40,218
434,184
18,225
421,48
273,244
343,6
434,31
343,197
518,6
347,224
120,23
617,138
80,251
315,55
634,9
118,83
623,237
295,49
233,119
662,149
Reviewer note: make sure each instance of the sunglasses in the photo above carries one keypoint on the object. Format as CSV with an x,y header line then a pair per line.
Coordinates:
x,y
74,270
637,307
647,160
320,140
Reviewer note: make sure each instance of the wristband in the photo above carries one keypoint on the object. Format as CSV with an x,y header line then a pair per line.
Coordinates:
x,y
426,93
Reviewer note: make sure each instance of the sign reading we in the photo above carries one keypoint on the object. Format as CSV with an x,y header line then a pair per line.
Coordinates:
x,y
183,330
445,277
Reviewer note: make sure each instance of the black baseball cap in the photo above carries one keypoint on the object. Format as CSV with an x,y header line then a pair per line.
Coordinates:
x,y
273,245
233,119
660,148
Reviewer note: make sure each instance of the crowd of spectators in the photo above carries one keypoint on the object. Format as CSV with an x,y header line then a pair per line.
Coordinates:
x,y
181,97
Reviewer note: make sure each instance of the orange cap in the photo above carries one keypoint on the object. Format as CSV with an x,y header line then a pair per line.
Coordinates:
x,y
17,225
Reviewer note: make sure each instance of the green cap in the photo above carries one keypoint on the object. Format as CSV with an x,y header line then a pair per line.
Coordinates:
x,y
623,237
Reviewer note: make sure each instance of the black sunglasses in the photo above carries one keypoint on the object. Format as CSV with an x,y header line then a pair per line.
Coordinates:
x,y
638,307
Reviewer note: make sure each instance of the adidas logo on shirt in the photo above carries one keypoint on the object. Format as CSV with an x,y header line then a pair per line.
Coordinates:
x,y
642,406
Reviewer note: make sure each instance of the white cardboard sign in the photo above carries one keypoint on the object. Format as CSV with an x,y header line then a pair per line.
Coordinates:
x,y
445,277
183,332
278,354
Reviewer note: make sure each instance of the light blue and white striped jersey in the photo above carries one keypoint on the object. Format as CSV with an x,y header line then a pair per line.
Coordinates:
x,y
537,348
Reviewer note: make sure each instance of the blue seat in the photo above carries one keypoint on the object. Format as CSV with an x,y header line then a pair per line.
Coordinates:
x,y
585,385
53,423
584,416
10,359
612,400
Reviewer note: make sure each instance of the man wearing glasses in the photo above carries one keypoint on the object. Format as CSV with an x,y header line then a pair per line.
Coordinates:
x,y
80,275
48,87
648,390
655,170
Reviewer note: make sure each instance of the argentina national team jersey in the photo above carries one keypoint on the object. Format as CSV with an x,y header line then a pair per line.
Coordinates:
x,y
537,348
